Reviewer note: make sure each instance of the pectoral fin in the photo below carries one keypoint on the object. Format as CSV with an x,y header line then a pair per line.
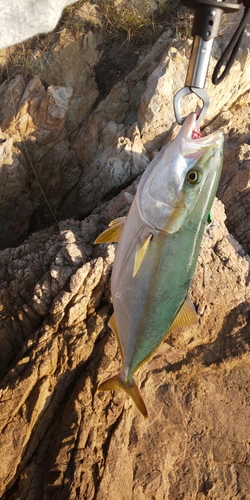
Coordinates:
x,y
140,253
186,316
113,233
118,382
119,220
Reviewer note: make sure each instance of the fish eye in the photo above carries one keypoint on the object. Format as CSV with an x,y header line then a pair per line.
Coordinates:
x,y
193,177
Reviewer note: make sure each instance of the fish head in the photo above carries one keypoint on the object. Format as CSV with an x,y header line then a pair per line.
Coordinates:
x,y
182,179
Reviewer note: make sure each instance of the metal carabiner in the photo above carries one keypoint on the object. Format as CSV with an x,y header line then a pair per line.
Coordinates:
x,y
206,24
201,93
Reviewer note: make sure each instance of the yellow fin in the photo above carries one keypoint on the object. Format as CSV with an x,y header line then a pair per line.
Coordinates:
x,y
118,382
186,316
113,233
119,220
141,250
112,324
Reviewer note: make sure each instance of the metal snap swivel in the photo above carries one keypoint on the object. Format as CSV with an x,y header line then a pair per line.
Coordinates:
x,y
201,93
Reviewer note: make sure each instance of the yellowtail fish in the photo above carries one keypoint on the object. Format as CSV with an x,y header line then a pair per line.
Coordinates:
x,y
159,243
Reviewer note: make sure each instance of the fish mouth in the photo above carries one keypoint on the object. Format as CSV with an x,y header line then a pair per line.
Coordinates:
x,y
192,148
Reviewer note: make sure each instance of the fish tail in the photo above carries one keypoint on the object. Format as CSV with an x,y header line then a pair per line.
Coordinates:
x,y
118,382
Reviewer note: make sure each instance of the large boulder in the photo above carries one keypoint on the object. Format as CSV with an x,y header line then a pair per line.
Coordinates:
x,y
60,438
67,142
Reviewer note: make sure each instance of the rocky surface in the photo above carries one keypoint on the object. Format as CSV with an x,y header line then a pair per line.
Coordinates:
x,y
68,139
60,438
235,179
63,439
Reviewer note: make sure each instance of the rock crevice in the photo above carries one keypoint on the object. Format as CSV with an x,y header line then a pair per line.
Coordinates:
x,y
61,438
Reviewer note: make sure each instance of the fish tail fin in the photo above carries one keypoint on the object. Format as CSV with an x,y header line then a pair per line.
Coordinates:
x,y
118,382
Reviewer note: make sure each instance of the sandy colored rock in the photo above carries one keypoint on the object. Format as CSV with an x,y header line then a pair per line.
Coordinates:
x,y
10,94
15,205
72,144
89,13
110,172
35,113
60,438
121,105
195,386
235,179
156,113
70,63
34,156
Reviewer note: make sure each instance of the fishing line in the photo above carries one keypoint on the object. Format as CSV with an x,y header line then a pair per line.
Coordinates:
x,y
28,155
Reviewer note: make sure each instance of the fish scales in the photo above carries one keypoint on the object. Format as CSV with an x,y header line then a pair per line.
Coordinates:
x,y
158,249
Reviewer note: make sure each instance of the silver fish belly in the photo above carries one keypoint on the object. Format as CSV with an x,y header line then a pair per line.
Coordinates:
x,y
159,243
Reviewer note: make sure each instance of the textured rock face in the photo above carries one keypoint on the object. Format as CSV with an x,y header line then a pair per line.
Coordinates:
x,y
63,439
71,143
235,179
71,63
60,438
156,114
32,124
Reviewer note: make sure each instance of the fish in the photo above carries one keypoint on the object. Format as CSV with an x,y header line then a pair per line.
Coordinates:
x,y
158,248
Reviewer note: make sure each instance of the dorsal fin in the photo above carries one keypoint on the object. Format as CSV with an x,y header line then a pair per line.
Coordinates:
x,y
186,316
113,233
140,253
